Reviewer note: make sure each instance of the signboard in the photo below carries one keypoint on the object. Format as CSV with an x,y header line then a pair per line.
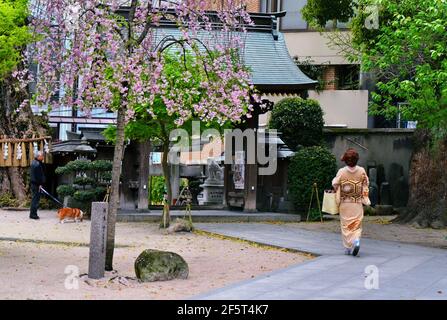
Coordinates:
x,y
239,170
155,158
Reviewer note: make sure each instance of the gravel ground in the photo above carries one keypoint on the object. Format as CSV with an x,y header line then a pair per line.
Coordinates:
x,y
34,256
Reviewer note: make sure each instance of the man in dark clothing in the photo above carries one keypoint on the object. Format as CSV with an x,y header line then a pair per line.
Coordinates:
x,y
37,180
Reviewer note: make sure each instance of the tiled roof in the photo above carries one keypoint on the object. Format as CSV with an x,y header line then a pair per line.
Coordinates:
x,y
266,53
273,70
92,135
271,66
73,146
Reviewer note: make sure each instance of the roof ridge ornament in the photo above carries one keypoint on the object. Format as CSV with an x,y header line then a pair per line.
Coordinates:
x,y
275,28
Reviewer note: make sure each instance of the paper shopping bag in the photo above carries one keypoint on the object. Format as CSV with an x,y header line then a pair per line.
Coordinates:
x,y
330,202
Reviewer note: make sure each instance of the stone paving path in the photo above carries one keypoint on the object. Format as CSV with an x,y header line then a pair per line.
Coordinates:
x,y
404,271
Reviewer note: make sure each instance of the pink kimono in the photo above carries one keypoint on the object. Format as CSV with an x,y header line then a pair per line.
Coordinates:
x,y
353,193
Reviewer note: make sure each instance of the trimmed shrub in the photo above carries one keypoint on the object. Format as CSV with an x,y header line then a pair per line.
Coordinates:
x,y
75,166
300,121
85,181
90,182
308,166
101,165
65,190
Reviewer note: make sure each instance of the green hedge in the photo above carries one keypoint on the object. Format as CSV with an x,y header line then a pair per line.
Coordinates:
x,y
300,121
308,166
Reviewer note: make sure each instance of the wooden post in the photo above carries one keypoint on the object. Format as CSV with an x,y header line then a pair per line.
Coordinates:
x,y
48,155
227,182
31,152
314,191
251,187
144,150
2,160
24,161
15,161
251,170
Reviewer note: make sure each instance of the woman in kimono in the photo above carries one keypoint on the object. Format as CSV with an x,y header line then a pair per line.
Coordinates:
x,y
351,184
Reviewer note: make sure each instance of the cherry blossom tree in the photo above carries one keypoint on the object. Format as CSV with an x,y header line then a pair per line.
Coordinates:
x,y
109,54
14,38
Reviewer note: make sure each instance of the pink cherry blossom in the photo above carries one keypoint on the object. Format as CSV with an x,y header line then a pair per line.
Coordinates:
x,y
83,50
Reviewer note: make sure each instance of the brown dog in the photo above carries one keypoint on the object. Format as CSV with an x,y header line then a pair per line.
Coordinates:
x,y
72,213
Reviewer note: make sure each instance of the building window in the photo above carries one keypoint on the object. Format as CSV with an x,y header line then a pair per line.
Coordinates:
x,y
268,6
348,77
54,131
293,19
330,76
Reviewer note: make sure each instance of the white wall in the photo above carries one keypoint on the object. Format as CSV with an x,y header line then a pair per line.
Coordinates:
x,y
314,45
343,107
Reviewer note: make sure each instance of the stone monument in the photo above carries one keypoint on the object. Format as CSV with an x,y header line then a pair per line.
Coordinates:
x,y
385,208
401,193
98,239
213,187
373,187
385,194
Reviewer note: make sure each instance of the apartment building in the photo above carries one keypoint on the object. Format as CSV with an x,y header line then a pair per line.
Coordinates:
x,y
339,91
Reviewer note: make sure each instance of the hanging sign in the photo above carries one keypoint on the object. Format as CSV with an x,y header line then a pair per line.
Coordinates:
x,y
5,151
8,155
19,152
239,170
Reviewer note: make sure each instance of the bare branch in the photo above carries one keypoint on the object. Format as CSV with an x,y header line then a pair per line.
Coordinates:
x,y
133,9
147,25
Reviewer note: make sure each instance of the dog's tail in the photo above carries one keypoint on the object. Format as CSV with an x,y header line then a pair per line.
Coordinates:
x,y
81,214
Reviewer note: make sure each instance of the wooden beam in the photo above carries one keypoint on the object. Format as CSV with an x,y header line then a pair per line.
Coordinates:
x,y
11,140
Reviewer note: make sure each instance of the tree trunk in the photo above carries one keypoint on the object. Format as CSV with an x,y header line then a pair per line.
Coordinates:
x,y
167,175
427,205
13,124
334,24
115,188
17,184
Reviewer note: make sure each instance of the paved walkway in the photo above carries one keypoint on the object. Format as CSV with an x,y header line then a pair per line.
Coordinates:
x,y
405,271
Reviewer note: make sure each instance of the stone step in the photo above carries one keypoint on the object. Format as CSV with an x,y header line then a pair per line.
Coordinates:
x,y
209,216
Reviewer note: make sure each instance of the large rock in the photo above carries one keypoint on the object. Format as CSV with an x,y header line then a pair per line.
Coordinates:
x,y
154,265
181,225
